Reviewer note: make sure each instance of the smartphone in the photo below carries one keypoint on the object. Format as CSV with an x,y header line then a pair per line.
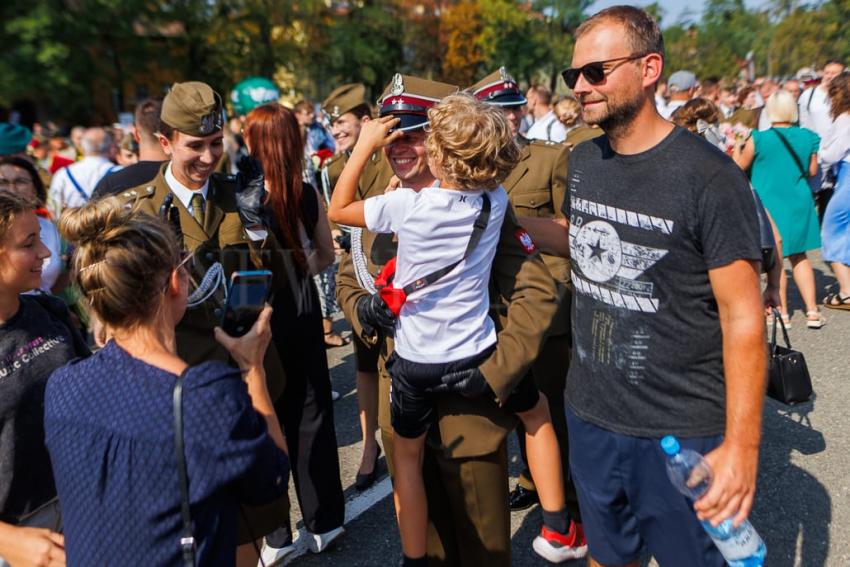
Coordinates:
x,y
247,294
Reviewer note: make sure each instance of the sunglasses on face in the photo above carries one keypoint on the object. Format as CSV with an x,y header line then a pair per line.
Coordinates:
x,y
595,71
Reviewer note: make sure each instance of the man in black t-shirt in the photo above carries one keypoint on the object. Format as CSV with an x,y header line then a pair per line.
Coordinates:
x,y
668,325
151,155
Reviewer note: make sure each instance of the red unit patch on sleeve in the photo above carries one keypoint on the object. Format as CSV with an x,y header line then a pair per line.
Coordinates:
x,y
525,241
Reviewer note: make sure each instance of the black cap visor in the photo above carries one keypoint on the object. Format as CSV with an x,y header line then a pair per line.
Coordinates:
x,y
408,121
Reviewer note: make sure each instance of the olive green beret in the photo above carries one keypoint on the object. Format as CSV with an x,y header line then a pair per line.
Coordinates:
x,y
193,108
344,99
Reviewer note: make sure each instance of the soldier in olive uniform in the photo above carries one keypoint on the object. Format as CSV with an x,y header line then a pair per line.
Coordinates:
x,y
219,220
347,109
537,188
465,464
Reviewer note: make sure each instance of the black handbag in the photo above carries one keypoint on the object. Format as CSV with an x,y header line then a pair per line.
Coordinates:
x,y
788,379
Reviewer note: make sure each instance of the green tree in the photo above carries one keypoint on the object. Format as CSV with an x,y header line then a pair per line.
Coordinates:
x,y
366,46
513,36
461,28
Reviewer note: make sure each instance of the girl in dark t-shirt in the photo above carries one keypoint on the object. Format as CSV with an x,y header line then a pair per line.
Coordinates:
x,y
36,337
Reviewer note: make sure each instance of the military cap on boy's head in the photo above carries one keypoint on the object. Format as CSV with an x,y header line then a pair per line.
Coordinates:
x,y
193,108
499,89
409,99
344,99
14,139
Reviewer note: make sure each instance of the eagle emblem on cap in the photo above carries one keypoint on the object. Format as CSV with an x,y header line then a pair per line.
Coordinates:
x,y
398,85
335,111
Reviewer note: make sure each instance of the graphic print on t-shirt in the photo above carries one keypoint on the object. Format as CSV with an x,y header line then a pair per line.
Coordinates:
x,y
604,266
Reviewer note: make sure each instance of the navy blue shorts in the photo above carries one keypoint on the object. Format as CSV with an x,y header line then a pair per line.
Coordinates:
x,y
413,410
628,503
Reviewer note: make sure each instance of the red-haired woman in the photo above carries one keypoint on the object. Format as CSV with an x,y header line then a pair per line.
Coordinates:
x,y
299,222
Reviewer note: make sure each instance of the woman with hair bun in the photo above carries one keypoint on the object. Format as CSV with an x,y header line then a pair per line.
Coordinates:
x,y
109,419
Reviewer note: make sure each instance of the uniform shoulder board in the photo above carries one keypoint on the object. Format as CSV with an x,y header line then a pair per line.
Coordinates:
x,y
130,196
331,160
546,144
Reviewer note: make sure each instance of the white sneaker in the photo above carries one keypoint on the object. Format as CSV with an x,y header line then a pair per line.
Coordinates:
x,y
317,543
557,548
272,556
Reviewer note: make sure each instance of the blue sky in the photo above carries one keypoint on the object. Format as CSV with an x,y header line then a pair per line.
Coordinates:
x,y
673,9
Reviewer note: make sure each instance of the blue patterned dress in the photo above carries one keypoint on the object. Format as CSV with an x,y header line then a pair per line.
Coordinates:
x,y
110,433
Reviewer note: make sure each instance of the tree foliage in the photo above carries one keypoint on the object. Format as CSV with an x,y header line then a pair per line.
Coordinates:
x,y
86,60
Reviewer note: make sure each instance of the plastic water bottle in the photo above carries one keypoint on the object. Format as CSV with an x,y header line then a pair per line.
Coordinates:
x,y
691,475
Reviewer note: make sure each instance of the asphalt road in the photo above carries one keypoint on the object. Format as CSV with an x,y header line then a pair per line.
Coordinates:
x,y
802,508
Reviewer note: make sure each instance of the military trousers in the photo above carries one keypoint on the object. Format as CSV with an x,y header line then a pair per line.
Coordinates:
x,y
469,521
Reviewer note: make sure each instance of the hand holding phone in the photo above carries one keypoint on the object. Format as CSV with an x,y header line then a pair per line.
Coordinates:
x,y
246,296
249,350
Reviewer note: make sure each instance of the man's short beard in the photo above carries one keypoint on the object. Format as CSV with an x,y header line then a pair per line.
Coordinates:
x,y
619,121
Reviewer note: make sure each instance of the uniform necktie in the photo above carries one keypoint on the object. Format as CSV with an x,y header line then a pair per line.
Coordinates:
x,y
197,203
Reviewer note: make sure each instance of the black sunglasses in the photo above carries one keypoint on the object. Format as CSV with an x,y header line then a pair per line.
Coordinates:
x,y
594,72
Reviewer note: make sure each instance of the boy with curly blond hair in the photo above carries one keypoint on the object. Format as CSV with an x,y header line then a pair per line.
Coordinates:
x,y
447,236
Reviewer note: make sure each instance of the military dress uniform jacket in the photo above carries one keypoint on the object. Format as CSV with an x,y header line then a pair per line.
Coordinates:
x,y
221,239
477,427
537,187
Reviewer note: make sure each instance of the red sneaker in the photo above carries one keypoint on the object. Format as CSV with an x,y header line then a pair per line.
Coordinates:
x,y
557,548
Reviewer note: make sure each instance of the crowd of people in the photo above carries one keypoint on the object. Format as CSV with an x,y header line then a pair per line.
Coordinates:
x,y
593,271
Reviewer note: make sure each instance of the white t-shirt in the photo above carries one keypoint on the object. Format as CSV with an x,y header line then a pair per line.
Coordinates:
x,y
52,266
87,172
447,320
815,107
835,146
547,128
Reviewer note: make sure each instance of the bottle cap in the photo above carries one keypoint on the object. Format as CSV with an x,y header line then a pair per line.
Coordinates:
x,y
670,446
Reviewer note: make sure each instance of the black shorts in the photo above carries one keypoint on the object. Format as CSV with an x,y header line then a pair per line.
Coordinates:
x,y
412,409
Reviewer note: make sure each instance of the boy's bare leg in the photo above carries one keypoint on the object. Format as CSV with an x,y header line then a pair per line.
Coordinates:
x,y
544,456
409,494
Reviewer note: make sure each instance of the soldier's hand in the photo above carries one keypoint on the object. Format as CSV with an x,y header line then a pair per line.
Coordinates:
x,y
468,383
250,193
377,133
374,315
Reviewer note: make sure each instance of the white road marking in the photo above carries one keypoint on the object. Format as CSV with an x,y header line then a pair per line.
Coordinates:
x,y
354,508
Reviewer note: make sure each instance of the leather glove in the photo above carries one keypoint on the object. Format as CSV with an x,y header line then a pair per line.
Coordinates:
x,y
468,383
170,215
374,315
251,192
344,241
